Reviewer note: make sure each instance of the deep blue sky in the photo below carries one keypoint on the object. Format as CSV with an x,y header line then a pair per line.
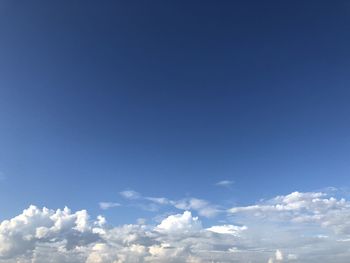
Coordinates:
x,y
170,97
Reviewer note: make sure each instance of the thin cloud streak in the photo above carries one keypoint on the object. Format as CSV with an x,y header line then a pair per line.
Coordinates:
x,y
203,207
225,183
108,205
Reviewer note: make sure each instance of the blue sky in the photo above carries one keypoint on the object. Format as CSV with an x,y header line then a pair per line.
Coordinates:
x,y
169,98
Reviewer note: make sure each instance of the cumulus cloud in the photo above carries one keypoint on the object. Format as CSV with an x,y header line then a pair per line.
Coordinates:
x,y
44,235
311,208
299,227
24,232
180,224
227,229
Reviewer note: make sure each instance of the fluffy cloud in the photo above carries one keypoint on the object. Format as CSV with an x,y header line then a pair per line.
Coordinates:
x,y
227,229
180,224
44,235
299,227
21,234
203,207
311,208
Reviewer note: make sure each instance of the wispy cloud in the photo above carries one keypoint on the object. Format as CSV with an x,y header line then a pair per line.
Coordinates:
x,y
159,200
130,194
224,183
108,205
203,207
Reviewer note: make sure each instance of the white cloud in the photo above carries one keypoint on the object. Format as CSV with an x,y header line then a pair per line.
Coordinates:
x,y
180,224
108,205
23,232
312,207
227,229
159,200
44,235
299,227
203,207
130,194
279,255
225,183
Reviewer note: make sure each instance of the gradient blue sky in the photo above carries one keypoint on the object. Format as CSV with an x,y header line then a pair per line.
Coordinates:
x,y
168,98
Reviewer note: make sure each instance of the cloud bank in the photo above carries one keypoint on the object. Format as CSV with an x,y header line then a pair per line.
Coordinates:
x,y
299,227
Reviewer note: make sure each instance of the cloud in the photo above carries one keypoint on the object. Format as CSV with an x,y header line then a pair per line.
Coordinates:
x,y
298,227
159,200
108,205
180,224
227,229
130,194
44,235
224,183
203,207
278,257
34,226
311,208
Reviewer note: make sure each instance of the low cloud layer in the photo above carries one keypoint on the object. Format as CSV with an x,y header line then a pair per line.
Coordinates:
x,y
299,227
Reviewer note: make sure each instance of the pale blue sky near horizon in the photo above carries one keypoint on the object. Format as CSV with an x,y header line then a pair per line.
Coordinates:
x,y
170,98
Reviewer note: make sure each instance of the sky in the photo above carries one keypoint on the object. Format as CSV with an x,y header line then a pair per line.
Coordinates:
x,y
221,121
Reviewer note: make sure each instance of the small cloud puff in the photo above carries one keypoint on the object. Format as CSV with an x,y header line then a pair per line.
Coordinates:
x,y
130,194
